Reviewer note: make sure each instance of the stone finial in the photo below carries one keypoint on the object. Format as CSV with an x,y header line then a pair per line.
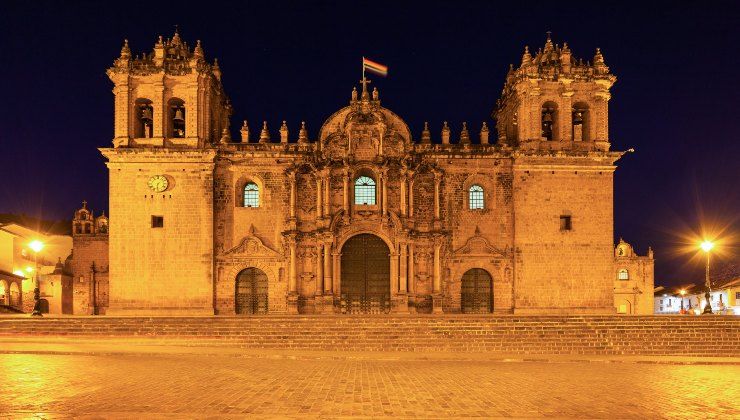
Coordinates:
x,y
565,58
354,93
198,51
599,63
549,47
245,132
426,135
225,136
526,57
125,50
303,133
376,94
464,135
284,133
484,133
264,134
445,133
216,69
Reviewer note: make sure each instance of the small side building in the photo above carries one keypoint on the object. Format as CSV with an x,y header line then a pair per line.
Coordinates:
x,y
634,280
89,263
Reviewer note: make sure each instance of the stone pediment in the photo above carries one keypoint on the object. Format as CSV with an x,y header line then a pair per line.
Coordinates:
x,y
252,246
477,246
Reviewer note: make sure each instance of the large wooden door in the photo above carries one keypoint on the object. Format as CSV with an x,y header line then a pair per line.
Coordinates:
x,y
365,281
251,292
476,292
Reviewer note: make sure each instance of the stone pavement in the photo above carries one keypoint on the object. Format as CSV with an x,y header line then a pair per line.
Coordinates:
x,y
99,380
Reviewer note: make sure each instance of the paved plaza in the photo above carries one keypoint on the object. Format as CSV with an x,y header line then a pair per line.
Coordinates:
x,y
192,385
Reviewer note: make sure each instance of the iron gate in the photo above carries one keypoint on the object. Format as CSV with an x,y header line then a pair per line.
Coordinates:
x,y
251,292
365,281
476,292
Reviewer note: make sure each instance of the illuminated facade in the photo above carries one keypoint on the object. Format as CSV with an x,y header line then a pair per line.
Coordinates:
x,y
363,217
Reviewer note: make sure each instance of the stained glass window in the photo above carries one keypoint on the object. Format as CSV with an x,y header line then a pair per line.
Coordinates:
x,y
251,195
475,197
365,191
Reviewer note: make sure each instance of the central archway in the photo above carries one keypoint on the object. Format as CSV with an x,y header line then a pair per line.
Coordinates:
x,y
365,276
250,296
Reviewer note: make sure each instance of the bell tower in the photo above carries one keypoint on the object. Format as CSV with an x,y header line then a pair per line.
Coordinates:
x,y
554,101
171,97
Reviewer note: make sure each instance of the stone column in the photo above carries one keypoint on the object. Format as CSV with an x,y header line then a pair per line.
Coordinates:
x,y
291,177
336,275
411,195
403,270
161,111
292,270
394,270
319,270
437,267
437,182
384,197
327,268
346,190
327,179
412,274
318,196
403,193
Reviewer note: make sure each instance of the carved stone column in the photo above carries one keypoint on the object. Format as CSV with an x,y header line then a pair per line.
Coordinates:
x,y
160,118
403,270
319,194
437,279
327,268
411,194
403,193
384,196
326,175
292,277
319,270
394,271
336,274
437,183
412,274
346,190
292,179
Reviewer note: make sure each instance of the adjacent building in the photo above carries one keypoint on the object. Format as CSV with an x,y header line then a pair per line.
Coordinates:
x,y
633,280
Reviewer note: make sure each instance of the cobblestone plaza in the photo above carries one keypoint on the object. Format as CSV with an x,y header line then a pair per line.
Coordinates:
x,y
228,385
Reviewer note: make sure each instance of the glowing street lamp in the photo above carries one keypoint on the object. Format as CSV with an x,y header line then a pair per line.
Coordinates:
x,y
36,246
707,246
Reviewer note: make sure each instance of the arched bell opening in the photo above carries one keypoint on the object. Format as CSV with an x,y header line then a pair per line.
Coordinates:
x,y
251,292
581,122
550,121
176,121
144,121
476,292
365,275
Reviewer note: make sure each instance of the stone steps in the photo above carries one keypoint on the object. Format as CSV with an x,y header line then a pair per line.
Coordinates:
x,y
650,335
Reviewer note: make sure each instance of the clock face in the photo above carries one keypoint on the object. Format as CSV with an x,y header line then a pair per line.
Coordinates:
x,y
158,183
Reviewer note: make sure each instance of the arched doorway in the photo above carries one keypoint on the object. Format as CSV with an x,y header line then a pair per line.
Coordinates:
x,y
365,281
15,296
476,292
251,292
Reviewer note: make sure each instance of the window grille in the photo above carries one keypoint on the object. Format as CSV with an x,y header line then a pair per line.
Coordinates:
x,y
251,195
475,197
365,191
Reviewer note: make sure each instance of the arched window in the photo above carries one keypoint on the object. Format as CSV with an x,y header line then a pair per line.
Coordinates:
x,y
251,195
144,118
623,274
550,121
365,191
580,122
177,118
475,197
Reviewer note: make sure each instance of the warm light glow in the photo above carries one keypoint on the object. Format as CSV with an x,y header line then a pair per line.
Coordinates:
x,y
707,246
36,245
29,269
19,273
683,292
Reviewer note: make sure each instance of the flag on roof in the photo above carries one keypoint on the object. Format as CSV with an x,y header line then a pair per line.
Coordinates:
x,y
374,67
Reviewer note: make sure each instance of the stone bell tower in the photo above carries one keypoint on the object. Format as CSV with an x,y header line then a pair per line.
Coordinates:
x,y
170,110
554,101
171,97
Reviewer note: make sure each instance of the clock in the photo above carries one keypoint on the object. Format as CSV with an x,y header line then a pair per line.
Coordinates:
x,y
158,183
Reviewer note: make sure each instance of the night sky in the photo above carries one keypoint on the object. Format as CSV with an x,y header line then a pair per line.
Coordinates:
x,y
676,100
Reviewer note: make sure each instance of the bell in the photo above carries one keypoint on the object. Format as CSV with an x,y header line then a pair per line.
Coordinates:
x,y
578,117
178,115
146,113
548,117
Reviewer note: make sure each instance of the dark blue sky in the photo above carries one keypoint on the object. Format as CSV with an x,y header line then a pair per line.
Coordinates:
x,y
676,101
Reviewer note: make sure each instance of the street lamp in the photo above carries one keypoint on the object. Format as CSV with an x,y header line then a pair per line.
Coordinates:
x,y
683,293
36,246
707,246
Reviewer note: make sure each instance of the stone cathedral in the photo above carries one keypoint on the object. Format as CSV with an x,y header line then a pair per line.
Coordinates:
x,y
365,217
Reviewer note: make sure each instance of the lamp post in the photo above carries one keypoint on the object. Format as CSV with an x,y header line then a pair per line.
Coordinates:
x,y
683,293
707,246
36,246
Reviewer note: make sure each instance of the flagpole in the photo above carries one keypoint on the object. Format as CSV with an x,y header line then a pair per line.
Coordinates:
x,y
363,67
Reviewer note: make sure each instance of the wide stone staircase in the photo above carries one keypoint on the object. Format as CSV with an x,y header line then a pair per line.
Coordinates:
x,y
510,334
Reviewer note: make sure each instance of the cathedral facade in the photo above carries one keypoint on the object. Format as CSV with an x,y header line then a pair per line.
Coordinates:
x,y
365,217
